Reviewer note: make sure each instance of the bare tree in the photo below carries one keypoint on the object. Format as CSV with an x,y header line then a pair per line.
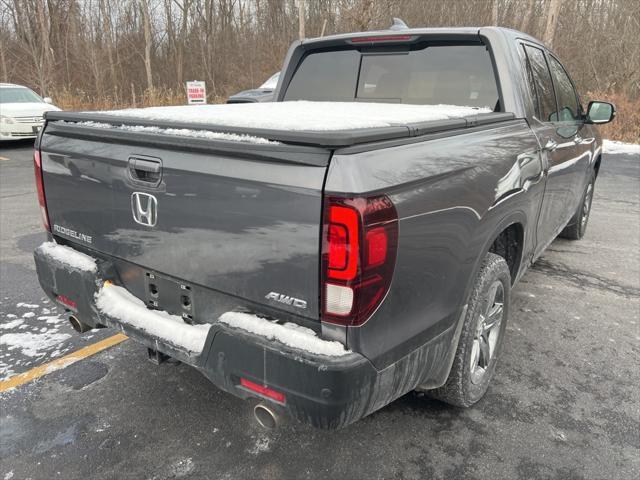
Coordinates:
x,y
552,21
301,19
528,13
106,13
102,53
4,76
146,21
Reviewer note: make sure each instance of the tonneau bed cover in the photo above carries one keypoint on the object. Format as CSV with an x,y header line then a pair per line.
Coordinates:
x,y
322,124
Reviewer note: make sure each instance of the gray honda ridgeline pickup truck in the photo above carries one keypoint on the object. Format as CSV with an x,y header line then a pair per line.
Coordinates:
x,y
353,240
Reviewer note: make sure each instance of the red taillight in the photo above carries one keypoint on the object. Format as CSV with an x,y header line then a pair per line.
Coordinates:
x,y
381,38
262,390
377,240
360,238
37,167
343,242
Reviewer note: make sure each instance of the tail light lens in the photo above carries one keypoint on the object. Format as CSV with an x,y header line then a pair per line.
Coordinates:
x,y
360,242
37,167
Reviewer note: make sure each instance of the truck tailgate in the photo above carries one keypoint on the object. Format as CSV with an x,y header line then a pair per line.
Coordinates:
x,y
242,219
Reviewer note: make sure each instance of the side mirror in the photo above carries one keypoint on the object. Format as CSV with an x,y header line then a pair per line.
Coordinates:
x,y
47,100
600,112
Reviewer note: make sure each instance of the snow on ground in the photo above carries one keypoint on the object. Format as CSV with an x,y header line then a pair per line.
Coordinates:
x,y
33,344
182,132
289,333
27,305
117,303
301,115
613,146
28,339
11,324
69,256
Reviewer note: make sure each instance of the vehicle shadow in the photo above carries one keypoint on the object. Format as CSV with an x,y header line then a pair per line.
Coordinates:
x,y
16,144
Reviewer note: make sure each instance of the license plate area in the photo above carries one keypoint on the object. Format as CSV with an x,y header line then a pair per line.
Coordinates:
x,y
169,295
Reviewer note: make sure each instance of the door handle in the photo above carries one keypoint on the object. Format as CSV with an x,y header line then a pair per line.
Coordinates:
x,y
147,171
551,145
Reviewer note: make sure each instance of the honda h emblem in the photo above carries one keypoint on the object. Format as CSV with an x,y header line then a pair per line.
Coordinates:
x,y
145,209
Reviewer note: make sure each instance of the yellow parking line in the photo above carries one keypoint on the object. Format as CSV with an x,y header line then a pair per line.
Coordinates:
x,y
4,158
60,363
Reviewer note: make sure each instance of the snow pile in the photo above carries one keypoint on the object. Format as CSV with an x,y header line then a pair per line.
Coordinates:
x,y
27,305
11,324
32,344
301,115
290,334
182,132
69,256
613,146
117,303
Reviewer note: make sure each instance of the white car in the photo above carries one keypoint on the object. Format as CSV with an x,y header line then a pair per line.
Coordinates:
x,y
21,112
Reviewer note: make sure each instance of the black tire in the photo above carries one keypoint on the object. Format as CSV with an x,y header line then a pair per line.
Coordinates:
x,y
577,226
466,385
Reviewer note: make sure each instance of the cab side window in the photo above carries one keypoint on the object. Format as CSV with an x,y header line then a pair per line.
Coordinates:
x,y
567,99
532,83
542,84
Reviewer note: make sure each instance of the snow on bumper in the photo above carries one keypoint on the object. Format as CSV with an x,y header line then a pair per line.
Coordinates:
x,y
290,334
118,304
64,272
68,257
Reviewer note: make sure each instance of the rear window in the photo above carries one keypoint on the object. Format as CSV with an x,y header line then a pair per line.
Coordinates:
x,y
450,75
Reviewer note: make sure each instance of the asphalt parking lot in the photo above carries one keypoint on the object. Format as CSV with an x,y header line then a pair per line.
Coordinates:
x,y
565,402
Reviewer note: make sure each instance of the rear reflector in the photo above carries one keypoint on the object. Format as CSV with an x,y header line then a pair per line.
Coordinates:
x,y
37,170
263,390
67,302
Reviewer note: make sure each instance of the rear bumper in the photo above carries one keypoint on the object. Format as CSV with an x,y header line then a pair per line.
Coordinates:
x,y
324,391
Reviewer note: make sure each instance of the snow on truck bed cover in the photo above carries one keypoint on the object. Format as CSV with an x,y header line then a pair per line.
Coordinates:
x,y
299,115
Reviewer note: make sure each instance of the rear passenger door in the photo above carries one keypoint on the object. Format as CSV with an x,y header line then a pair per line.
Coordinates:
x,y
557,133
571,126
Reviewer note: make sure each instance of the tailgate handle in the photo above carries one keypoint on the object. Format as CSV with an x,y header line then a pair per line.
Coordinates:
x,y
145,170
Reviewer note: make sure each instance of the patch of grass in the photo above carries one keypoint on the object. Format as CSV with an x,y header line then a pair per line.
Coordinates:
x,y
78,100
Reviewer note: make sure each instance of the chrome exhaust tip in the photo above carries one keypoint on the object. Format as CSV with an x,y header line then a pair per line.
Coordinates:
x,y
78,325
267,416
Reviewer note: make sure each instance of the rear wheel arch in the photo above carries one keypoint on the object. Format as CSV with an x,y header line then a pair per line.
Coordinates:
x,y
508,243
516,222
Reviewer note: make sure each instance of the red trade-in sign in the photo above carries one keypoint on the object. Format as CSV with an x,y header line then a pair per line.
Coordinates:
x,y
196,93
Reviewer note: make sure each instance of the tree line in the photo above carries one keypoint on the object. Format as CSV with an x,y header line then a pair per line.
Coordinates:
x,y
104,53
